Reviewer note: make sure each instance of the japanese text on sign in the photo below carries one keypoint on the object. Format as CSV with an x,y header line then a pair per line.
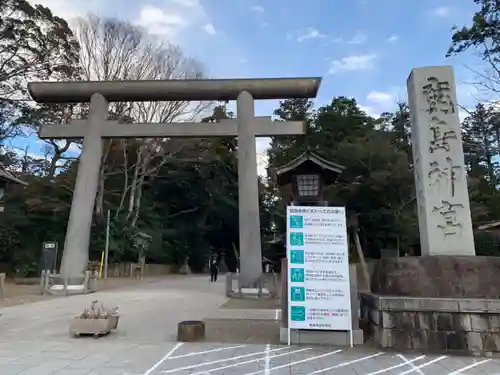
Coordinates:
x,y
318,268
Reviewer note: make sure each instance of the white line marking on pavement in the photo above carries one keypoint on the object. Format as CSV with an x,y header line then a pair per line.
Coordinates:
x,y
266,360
410,364
255,360
460,370
218,361
345,364
423,365
396,366
207,351
296,362
276,317
165,357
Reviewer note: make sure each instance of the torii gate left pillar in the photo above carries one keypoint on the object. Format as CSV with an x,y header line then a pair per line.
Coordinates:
x,y
246,127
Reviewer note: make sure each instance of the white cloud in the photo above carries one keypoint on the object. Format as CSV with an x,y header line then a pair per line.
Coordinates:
x,y
262,144
441,12
358,39
467,97
310,33
393,39
258,8
210,29
75,148
175,18
187,3
462,114
378,102
170,19
156,21
370,110
380,97
353,63
69,9
495,104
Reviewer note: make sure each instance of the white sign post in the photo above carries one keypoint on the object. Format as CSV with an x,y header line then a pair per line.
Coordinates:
x,y
319,295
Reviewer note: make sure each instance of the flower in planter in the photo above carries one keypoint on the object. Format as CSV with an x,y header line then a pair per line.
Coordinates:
x,y
98,311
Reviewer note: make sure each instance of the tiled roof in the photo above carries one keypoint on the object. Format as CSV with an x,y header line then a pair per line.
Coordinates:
x,y
315,158
8,177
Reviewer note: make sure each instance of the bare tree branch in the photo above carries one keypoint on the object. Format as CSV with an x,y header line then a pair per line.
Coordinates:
x,y
117,50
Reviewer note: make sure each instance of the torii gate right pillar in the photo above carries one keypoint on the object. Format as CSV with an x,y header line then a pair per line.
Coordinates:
x,y
248,193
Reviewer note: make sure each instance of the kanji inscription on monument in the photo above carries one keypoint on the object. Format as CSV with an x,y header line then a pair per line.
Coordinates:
x,y
443,201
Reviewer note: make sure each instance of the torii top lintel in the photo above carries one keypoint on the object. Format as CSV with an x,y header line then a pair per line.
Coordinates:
x,y
174,90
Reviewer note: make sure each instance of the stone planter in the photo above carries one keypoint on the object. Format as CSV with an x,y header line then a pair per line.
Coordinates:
x,y
95,327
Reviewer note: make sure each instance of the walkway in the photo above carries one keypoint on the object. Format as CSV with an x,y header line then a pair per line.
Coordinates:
x,y
34,340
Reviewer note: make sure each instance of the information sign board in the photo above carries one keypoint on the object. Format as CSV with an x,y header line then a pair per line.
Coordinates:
x,y
319,295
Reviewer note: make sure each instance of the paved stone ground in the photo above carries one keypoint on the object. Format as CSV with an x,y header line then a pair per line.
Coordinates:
x,y
34,340
113,357
20,294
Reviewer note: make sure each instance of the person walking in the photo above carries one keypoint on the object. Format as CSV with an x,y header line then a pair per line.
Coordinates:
x,y
214,267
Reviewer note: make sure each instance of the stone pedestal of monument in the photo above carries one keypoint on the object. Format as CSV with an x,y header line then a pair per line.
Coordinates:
x,y
440,304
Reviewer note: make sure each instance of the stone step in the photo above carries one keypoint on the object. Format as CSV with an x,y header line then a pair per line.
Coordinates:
x,y
245,314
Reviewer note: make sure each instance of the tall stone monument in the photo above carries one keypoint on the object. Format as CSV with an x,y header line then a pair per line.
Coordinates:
x,y
440,176
448,299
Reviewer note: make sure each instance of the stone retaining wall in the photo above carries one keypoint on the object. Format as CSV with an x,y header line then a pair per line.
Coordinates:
x,y
131,269
456,326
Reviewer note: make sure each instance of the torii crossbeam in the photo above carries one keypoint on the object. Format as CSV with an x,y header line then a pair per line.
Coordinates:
x,y
245,127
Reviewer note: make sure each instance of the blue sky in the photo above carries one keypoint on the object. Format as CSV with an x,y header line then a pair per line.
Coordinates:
x,y
361,48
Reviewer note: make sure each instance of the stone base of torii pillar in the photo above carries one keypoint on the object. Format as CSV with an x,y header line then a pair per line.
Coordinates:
x,y
447,300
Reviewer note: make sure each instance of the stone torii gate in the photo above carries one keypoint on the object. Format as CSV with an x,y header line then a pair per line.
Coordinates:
x,y
245,127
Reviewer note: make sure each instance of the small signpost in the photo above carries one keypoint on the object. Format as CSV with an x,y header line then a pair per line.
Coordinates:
x,y
319,296
49,256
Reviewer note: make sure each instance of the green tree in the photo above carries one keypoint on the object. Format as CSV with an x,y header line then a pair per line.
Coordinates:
x,y
484,36
292,110
35,44
480,129
376,161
